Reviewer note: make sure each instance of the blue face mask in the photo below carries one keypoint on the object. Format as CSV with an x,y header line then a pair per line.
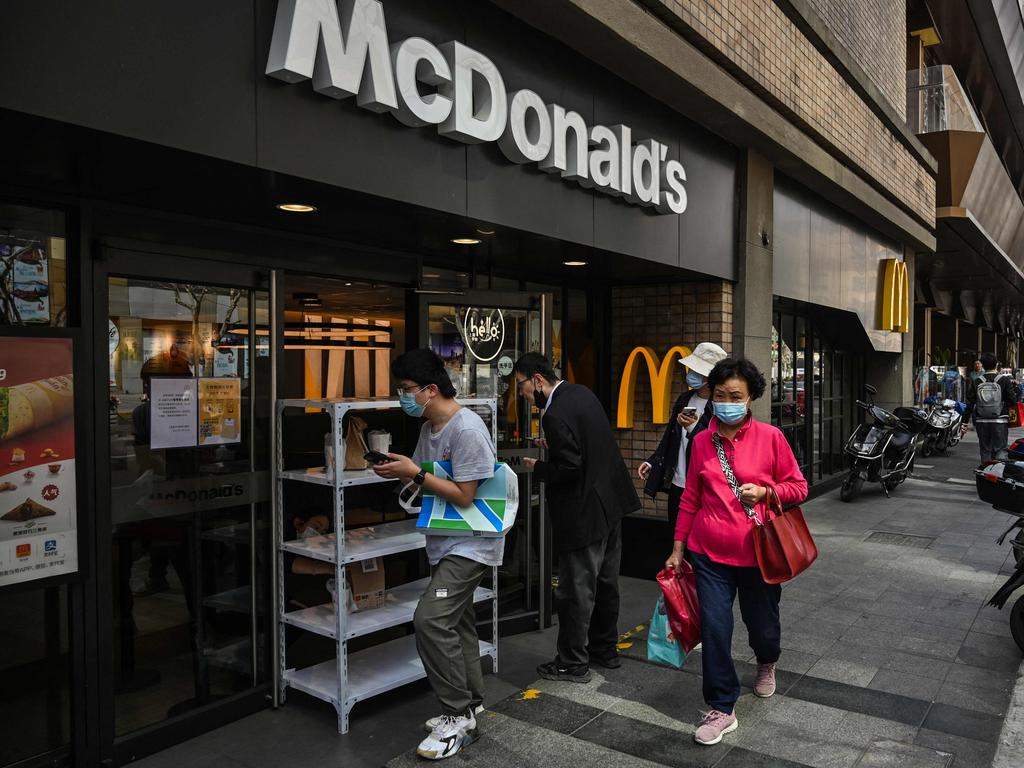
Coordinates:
x,y
730,413
408,402
694,380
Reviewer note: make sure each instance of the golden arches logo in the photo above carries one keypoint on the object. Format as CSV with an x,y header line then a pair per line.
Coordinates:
x,y
661,384
896,297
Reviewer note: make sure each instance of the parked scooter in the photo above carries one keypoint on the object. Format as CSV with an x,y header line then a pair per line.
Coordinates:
x,y
944,428
1001,484
884,450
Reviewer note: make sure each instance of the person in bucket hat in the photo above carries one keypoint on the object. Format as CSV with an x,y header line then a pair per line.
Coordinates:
x,y
665,470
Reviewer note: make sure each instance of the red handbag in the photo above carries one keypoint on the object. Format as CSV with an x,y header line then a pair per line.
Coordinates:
x,y
783,544
681,604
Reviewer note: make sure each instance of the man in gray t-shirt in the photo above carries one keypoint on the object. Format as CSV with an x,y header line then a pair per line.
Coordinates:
x,y
445,619
465,441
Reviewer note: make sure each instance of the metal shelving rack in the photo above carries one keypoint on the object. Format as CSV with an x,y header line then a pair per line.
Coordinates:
x,y
349,678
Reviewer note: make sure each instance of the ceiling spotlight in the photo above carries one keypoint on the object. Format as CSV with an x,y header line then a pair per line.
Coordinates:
x,y
485,231
348,284
466,240
431,275
575,263
296,207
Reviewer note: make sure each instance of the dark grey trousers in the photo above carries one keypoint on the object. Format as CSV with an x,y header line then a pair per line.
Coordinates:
x,y
446,637
588,600
992,439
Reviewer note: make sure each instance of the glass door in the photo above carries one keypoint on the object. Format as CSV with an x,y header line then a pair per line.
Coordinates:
x,y
480,335
185,444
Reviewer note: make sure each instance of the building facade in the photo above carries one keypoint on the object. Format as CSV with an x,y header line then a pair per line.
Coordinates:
x,y
193,193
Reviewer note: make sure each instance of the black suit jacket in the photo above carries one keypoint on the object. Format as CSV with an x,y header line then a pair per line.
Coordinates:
x,y
587,483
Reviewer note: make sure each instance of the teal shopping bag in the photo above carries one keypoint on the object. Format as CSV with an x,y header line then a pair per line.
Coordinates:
x,y
660,649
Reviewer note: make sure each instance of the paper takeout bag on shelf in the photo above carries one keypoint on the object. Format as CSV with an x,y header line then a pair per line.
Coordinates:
x,y
355,444
492,513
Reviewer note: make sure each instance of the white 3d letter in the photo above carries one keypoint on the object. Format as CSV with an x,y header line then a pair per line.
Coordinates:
x,y
527,136
415,109
673,195
570,159
479,102
604,159
308,43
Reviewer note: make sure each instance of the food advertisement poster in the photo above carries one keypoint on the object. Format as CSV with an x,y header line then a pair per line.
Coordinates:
x,y
38,509
220,411
24,281
172,417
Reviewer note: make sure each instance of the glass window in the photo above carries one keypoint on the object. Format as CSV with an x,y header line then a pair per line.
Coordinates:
x,y
33,267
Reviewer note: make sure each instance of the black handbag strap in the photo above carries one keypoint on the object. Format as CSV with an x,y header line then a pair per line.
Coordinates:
x,y
731,477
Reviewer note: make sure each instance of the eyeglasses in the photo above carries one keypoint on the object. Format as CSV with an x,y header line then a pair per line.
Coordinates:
x,y
403,391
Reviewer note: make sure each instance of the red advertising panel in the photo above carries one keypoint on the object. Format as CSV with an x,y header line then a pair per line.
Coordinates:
x,y
38,514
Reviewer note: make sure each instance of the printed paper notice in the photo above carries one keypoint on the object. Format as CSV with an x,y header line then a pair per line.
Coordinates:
x,y
172,412
220,411
38,493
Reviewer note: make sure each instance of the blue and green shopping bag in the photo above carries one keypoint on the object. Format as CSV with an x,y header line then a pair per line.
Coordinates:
x,y
492,513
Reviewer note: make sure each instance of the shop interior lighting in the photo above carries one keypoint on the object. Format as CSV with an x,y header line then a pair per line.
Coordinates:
x,y
296,207
308,300
466,240
485,231
575,263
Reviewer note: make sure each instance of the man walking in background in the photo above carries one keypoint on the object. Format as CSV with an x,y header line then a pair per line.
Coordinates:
x,y
988,399
589,490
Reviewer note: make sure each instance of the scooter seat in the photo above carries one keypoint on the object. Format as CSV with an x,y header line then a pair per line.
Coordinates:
x,y
900,440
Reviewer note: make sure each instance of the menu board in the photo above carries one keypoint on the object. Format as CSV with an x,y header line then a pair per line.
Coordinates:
x,y
38,493
220,411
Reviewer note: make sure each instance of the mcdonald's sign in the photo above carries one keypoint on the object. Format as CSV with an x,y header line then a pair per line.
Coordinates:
x,y
661,384
895,297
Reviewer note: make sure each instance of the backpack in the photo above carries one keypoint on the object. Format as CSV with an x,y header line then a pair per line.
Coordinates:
x,y
989,396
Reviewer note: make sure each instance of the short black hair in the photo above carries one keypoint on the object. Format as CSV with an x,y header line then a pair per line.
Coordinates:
x,y
988,361
532,363
738,368
425,368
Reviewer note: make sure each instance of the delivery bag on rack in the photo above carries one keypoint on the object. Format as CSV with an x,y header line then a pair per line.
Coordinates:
x,y
355,443
492,513
681,605
662,645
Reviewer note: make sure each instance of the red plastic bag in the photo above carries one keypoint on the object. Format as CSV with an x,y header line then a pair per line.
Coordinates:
x,y
681,604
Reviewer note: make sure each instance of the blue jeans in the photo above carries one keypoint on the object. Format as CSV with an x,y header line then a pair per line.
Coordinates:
x,y
717,585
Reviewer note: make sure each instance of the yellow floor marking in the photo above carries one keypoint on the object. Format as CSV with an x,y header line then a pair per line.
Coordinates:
x,y
623,646
529,694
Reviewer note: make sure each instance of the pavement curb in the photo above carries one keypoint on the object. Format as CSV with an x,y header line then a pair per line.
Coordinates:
x,y
1010,752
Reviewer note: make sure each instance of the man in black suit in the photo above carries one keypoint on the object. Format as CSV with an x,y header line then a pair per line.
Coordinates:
x,y
589,490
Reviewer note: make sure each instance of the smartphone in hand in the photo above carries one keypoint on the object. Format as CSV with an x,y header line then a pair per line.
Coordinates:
x,y
690,412
376,457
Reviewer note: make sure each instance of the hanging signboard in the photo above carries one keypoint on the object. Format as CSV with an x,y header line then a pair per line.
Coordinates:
x,y
38,493
172,414
220,411
483,332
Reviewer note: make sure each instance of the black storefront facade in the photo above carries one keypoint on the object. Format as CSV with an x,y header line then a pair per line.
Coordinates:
x,y
149,156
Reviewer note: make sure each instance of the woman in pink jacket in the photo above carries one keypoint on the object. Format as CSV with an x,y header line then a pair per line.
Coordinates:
x,y
715,535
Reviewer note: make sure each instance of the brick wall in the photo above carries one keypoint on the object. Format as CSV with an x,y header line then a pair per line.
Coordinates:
x,y
875,32
757,43
660,317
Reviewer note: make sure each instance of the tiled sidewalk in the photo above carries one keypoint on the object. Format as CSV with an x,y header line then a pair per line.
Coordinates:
x,y
890,657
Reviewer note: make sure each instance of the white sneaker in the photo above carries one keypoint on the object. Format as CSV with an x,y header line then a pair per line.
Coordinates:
x,y
433,722
452,733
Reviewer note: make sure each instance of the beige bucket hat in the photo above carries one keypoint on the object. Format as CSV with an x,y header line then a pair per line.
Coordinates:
x,y
704,358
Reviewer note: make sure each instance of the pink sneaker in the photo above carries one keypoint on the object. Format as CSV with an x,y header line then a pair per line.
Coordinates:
x,y
764,686
714,726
